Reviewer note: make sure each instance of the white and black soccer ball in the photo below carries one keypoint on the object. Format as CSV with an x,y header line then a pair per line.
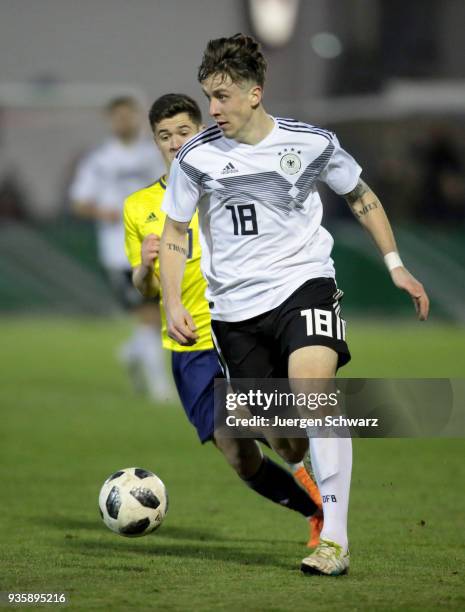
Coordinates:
x,y
133,502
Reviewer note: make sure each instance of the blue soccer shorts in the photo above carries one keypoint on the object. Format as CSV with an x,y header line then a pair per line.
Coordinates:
x,y
194,373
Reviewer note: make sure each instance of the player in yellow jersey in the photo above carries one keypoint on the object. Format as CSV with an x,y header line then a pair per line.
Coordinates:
x,y
144,218
174,119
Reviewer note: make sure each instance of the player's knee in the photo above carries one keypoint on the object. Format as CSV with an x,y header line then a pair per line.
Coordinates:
x,y
291,452
242,455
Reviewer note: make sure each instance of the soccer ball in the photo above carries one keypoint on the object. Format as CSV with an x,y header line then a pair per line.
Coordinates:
x,y
133,502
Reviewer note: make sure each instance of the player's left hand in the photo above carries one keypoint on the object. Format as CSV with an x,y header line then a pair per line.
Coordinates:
x,y
402,278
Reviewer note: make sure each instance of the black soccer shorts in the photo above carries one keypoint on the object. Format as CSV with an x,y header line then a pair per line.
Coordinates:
x,y
260,347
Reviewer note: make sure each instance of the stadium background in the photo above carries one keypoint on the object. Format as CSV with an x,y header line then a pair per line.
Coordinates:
x,y
389,78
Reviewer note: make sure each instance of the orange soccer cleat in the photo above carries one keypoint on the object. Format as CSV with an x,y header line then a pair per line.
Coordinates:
x,y
316,521
316,525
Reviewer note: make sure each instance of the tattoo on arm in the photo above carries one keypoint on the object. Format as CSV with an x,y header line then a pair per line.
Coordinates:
x,y
360,190
357,200
365,209
178,249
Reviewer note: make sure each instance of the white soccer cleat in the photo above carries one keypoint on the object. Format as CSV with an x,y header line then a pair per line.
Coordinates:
x,y
328,559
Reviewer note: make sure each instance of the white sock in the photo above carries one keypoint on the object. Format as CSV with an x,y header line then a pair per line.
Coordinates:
x,y
332,465
152,358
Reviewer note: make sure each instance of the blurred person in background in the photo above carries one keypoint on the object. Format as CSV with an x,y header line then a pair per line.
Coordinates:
x,y
442,183
13,202
124,163
396,182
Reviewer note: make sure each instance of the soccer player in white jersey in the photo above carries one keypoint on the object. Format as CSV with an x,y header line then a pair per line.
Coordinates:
x,y
267,259
124,163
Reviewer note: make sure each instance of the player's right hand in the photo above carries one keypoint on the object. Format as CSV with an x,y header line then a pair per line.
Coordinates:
x,y
180,325
150,249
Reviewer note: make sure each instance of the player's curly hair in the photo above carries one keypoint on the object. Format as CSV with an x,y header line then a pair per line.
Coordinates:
x,y
239,57
172,104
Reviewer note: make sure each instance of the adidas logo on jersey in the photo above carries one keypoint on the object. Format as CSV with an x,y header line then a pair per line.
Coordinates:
x,y
229,169
152,217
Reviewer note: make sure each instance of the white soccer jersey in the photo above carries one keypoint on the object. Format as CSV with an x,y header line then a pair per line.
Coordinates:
x,y
260,212
107,176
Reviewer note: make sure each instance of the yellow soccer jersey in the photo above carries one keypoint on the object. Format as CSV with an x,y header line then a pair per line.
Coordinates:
x,y
143,216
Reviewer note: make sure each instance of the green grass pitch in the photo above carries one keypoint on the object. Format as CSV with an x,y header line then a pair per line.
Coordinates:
x,y
69,420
